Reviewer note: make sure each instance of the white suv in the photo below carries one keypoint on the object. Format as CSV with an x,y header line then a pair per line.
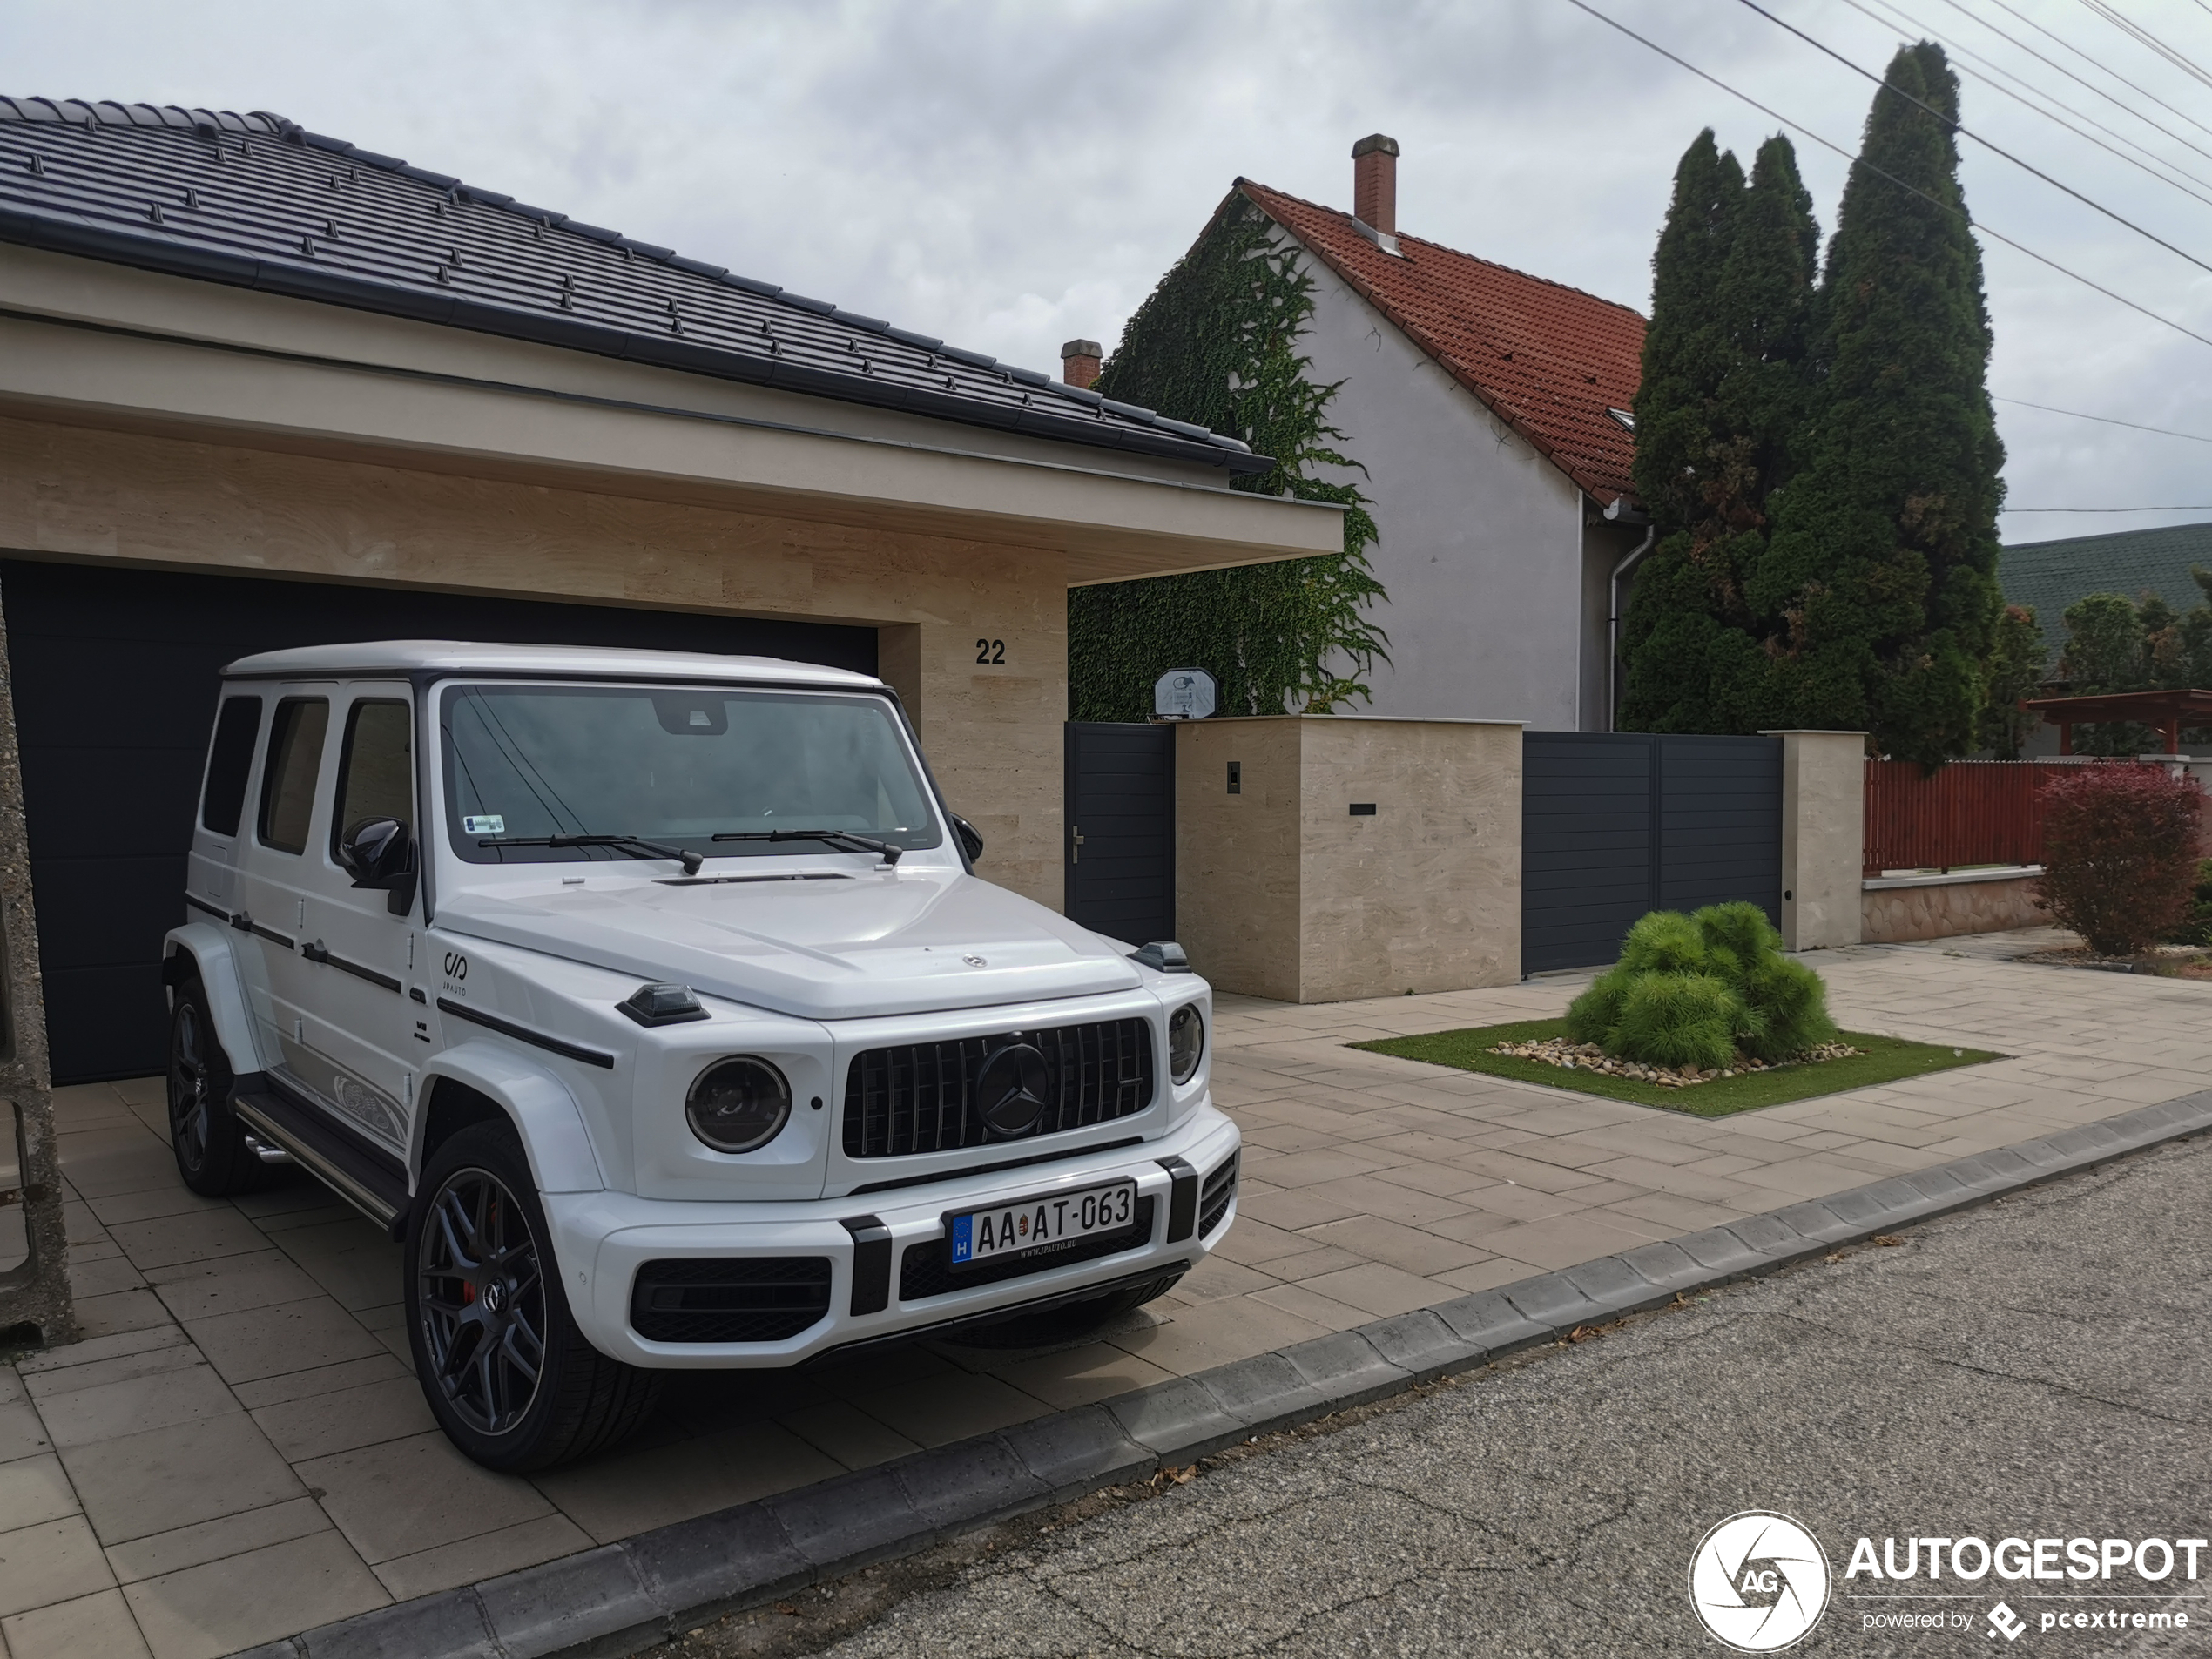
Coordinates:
x,y
651,1000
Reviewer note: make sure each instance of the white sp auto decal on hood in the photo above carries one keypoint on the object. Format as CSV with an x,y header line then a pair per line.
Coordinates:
x,y
842,948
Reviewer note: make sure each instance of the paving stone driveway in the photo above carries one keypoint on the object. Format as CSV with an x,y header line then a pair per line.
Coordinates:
x,y
238,1451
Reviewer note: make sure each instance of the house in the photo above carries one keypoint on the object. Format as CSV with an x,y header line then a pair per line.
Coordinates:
x,y
2050,576
1490,409
261,387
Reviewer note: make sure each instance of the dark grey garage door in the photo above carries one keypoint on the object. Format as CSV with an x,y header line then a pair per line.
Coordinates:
x,y
1615,824
1121,829
115,676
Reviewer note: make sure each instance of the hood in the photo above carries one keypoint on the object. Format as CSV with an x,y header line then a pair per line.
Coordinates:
x,y
831,947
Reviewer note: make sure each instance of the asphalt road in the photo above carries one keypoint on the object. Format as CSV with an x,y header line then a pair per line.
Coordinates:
x,y
2038,1367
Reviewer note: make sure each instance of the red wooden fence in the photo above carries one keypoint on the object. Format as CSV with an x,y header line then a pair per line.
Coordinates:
x,y
1972,812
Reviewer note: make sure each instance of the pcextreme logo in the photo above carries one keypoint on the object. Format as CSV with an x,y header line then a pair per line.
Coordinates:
x,y
1759,1581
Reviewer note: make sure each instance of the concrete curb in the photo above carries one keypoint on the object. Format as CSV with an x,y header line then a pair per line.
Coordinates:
x,y
629,1595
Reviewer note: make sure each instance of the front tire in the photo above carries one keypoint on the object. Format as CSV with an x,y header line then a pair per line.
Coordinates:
x,y
211,1149
508,1376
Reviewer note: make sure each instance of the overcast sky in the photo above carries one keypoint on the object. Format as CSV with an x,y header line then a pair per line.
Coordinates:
x,y
1011,175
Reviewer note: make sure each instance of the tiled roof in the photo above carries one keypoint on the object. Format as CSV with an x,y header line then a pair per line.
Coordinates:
x,y
257,200
1549,360
2051,575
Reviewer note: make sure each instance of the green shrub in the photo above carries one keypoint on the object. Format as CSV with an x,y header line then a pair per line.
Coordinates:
x,y
1679,1019
1591,1016
1694,991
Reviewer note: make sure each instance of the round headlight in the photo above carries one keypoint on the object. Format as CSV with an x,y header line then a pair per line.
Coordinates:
x,y
1186,1041
739,1105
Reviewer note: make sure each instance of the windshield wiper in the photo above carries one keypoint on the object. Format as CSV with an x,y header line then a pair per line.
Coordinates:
x,y
691,861
842,840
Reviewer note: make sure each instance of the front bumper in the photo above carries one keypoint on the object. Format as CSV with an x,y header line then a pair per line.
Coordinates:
x,y
600,1239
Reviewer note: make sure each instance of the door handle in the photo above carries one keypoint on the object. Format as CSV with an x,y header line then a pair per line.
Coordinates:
x,y
1076,835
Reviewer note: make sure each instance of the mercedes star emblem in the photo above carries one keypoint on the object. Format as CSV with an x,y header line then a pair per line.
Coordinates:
x,y
1011,1087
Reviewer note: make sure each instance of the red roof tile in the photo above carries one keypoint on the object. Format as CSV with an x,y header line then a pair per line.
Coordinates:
x,y
1550,360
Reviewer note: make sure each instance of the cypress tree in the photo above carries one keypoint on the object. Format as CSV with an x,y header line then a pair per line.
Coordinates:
x,y
1884,556
1717,417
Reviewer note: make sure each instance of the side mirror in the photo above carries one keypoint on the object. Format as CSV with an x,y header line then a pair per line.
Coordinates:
x,y
971,839
379,854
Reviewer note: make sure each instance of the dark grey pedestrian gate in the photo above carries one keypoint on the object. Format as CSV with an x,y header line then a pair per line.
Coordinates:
x,y
1615,824
1120,852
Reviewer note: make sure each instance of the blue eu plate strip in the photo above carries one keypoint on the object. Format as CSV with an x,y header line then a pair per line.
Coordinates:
x,y
963,1239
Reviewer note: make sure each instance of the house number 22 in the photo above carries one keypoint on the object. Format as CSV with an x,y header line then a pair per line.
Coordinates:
x,y
990,650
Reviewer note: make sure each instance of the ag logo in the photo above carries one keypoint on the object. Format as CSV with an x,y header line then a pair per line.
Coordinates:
x,y
1759,1581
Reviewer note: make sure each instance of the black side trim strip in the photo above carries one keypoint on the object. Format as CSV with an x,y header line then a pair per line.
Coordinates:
x,y
359,972
523,1034
993,1168
216,911
271,934
416,991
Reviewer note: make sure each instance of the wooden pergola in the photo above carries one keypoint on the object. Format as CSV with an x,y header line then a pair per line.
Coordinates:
x,y
2167,711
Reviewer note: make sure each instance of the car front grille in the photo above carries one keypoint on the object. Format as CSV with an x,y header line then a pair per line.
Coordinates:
x,y
926,1270
1214,1196
755,1298
920,1097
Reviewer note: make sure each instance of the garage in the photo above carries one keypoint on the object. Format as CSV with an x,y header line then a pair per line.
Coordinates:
x,y
115,673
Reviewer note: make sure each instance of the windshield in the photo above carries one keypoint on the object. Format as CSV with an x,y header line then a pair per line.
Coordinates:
x,y
672,765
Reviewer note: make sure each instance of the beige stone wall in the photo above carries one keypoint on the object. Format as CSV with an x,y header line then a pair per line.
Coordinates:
x,y
1891,915
1281,891
1823,836
993,734
1237,865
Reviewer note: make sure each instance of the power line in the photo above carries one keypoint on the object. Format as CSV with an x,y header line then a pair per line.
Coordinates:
x,y
2105,420
1857,161
2185,507
1994,76
2135,30
1995,149
2009,10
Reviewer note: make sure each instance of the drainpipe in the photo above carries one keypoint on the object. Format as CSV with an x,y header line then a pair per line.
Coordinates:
x,y
1621,512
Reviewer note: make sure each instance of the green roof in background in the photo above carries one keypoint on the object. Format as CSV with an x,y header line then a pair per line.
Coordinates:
x,y
2050,576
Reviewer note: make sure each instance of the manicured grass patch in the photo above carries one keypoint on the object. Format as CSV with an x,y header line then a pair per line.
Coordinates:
x,y
1884,1060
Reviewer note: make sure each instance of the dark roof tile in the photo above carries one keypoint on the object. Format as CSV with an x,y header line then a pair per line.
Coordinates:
x,y
257,200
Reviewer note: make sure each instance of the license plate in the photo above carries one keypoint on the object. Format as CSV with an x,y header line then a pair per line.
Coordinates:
x,y
1042,1223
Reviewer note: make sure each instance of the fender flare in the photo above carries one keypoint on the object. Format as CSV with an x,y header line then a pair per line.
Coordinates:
x,y
544,1113
210,950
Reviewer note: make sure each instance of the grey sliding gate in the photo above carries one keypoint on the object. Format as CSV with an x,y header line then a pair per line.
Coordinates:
x,y
1615,824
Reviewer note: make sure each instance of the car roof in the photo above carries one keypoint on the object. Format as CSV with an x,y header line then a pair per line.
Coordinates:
x,y
413,656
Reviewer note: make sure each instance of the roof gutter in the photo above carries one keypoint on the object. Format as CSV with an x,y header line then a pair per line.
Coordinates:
x,y
1620,512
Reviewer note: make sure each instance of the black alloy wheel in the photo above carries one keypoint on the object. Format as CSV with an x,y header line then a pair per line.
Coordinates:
x,y
211,1149
480,1295
506,1373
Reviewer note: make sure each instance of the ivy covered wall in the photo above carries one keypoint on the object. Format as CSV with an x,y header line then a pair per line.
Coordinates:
x,y
1217,343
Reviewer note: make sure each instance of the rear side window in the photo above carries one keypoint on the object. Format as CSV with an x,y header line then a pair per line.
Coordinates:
x,y
377,768
229,760
288,779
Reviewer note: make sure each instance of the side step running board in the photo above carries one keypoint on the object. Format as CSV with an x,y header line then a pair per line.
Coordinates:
x,y
373,1182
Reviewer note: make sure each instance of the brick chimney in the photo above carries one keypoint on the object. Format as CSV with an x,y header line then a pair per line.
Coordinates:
x,y
1374,183
1079,362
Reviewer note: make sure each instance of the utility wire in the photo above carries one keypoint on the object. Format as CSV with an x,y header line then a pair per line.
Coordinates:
x,y
1857,161
2185,507
2009,10
1997,148
1994,76
2106,419
2144,36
